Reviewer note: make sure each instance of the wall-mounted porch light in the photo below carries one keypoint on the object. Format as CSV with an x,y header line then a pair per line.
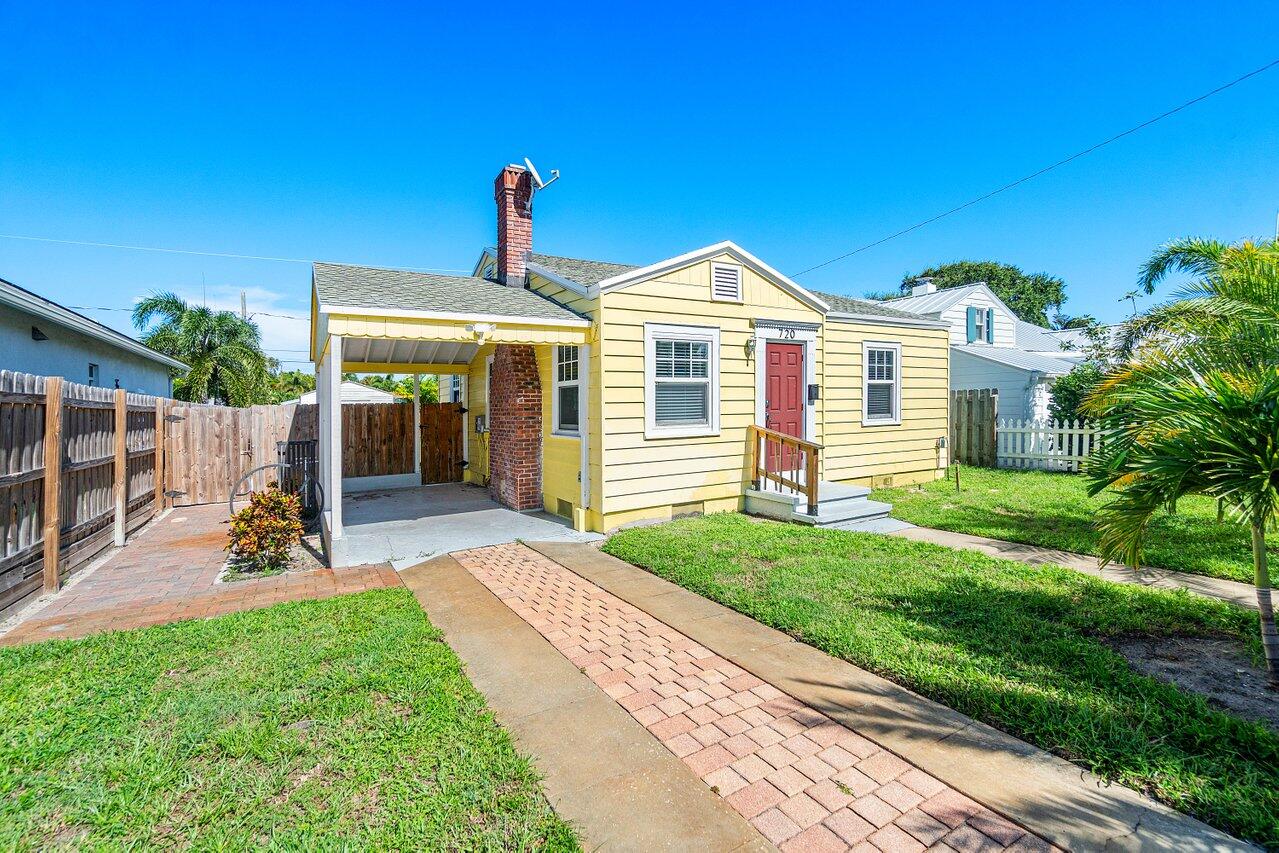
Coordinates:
x,y
481,330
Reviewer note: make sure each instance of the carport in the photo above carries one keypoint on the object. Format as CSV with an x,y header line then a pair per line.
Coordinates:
x,y
367,320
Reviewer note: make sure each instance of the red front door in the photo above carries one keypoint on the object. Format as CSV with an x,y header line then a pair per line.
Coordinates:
x,y
784,400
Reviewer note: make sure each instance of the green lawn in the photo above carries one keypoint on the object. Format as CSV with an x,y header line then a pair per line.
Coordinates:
x,y
1055,510
1006,643
338,724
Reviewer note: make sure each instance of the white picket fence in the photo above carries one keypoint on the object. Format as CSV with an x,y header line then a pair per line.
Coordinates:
x,y
1046,445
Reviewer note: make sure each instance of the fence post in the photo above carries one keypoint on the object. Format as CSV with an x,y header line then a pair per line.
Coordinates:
x,y
158,467
52,479
120,472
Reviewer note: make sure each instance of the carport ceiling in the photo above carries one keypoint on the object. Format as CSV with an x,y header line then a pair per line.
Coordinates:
x,y
403,351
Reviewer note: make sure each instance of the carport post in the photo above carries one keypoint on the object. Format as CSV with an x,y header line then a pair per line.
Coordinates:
x,y
328,398
417,425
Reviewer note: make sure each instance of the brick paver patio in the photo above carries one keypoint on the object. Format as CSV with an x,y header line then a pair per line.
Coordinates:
x,y
803,780
166,573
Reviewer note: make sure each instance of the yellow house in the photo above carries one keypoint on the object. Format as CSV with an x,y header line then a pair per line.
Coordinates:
x,y
612,394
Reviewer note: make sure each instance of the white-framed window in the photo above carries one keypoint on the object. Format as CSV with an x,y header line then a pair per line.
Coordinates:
x,y
981,325
567,381
681,380
881,383
726,283
94,378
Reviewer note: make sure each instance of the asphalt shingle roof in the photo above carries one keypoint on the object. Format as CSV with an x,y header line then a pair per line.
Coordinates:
x,y
369,287
848,305
578,270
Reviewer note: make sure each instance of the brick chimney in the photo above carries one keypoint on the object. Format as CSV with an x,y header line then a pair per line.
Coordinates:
x,y
513,192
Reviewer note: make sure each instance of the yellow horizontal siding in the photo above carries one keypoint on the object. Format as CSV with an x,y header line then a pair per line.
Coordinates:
x,y
854,452
644,477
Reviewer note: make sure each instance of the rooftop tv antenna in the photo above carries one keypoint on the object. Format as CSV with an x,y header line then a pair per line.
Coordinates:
x,y
538,183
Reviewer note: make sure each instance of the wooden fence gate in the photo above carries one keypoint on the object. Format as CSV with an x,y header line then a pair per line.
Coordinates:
x,y
972,426
441,443
209,448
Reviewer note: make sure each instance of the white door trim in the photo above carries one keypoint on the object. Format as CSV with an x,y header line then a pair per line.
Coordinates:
x,y
785,333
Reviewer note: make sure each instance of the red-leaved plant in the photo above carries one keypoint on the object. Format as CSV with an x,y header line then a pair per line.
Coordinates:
x,y
264,533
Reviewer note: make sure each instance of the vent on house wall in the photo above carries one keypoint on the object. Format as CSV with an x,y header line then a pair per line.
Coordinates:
x,y
688,510
726,283
563,508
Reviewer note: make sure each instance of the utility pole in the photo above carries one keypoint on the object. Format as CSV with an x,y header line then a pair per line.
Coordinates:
x,y
244,306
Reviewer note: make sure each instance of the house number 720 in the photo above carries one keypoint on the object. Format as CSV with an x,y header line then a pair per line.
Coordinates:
x,y
788,333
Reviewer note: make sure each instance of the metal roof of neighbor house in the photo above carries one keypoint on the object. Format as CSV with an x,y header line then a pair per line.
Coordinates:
x,y
934,303
343,285
848,305
581,271
1022,359
1037,338
35,304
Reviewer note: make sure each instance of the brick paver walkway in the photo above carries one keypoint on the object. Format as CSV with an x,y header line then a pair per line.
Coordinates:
x,y
803,780
166,573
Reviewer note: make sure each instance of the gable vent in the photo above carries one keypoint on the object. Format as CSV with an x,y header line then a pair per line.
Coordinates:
x,y
726,283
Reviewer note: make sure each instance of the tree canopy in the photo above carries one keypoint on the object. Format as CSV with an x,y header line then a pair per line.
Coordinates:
x,y
222,350
1034,297
1195,407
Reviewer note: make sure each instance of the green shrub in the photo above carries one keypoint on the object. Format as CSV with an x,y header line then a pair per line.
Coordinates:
x,y
264,533
1070,390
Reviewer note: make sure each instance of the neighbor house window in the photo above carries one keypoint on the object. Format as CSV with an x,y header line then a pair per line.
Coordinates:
x,y
681,373
567,389
93,374
980,321
881,394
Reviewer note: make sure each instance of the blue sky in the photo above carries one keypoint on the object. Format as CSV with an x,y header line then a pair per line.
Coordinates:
x,y
371,133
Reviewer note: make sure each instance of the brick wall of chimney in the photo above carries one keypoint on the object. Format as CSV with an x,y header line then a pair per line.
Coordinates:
x,y
515,428
513,192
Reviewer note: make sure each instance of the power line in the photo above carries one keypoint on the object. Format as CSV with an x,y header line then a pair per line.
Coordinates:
x,y
251,314
205,254
1046,169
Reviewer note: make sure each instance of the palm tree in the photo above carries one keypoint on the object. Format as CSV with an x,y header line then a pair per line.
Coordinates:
x,y
223,350
1196,408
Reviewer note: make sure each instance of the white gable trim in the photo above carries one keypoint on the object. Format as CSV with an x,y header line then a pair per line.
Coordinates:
x,y
555,278
537,269
489,252
948,298
635,276
357,311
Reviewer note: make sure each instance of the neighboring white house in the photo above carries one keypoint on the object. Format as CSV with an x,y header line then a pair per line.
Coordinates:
x,y
37,335
991,348
352,392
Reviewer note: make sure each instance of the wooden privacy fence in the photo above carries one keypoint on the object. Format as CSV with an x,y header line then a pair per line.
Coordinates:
x,y
972,426
79,470
1046,445
81,467
211,448
377,439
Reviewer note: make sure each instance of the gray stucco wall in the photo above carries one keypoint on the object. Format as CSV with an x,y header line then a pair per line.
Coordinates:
x,y
68,354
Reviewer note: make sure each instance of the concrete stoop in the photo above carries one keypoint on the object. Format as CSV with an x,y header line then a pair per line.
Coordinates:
x,y
839,506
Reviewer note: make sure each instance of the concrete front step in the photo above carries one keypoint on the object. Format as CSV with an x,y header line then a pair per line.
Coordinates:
x,y
838,504
843,512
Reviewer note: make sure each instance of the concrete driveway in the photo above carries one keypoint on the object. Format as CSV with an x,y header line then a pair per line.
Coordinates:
x,y
406,526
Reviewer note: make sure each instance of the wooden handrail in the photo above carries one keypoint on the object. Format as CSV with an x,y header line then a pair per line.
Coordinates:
x,y
763,440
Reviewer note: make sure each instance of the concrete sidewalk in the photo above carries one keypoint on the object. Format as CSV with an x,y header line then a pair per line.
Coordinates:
x,y
1054,799
802,780
601,770
1242,594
